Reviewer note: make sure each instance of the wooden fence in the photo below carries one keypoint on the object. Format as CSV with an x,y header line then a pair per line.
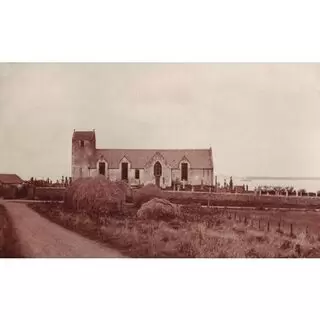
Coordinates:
x,y
280,225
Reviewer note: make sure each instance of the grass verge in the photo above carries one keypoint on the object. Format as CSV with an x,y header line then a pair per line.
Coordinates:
x,y
9,245
194,234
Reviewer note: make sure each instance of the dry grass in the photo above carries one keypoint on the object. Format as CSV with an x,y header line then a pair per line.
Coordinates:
x,y
9,247
195,232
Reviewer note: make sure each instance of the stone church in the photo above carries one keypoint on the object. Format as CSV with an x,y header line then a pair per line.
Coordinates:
x,y
140,166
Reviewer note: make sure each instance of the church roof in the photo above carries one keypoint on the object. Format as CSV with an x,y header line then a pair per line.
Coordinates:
x,y
198,158
7,178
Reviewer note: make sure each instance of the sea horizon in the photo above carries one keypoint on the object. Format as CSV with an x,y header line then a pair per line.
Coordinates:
x,y
310,184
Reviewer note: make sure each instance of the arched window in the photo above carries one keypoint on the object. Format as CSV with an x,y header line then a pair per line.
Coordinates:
x,y
157,169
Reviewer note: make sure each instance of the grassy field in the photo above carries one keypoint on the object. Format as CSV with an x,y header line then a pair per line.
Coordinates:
x,y
198,232
8,241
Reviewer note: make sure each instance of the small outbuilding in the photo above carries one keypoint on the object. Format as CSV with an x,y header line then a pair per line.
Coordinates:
x,y
10,185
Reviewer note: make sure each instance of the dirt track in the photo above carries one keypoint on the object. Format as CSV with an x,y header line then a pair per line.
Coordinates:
x,y
40,238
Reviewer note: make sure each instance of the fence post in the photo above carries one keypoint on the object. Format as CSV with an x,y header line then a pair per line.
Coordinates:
x,y
268,227
291,230
307,230
245,219
279,226
259,224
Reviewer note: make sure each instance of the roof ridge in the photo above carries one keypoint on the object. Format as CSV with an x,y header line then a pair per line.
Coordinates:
x,y
198,158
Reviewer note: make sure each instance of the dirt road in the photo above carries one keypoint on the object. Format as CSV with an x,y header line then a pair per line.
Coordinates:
x,y
40,238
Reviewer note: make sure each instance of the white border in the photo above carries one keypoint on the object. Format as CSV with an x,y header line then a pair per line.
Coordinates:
x,y
166,31
159,289
170,31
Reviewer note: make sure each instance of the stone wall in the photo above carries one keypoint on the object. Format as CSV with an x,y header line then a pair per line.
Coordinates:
x,y
249,200
225,199
222,199
53,194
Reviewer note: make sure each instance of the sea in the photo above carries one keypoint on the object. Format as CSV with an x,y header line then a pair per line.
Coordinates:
x,y
309,184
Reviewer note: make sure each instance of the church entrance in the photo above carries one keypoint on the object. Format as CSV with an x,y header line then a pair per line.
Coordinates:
x,y
102,168
157,171
124,171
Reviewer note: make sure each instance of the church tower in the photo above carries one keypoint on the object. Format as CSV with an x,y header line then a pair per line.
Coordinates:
x,y
83,154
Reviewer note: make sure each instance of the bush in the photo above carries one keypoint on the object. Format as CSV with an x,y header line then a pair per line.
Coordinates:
x,y
147,193
9,244
125,189
94,195
161,209
9,192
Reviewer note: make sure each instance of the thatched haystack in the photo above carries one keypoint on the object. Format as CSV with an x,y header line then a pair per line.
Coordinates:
x,y
95,195
161,209
147,193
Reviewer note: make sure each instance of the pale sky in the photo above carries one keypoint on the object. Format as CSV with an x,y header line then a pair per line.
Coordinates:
x,y
259,119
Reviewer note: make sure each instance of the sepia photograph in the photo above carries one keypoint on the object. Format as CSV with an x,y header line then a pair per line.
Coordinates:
x,y
159,160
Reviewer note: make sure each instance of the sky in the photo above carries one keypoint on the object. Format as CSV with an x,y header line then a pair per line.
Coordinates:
x,y
259,119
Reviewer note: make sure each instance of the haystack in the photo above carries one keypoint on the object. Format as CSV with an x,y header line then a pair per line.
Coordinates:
x,y
147,193
96,195
156,208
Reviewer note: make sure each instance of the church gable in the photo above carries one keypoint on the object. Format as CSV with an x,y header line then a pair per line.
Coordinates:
x,y
184,160
124,160
156,157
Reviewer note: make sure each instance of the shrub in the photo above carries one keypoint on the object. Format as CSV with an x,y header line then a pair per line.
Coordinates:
x,y
9,192
161,209
94,195
125,189
147,193
9,244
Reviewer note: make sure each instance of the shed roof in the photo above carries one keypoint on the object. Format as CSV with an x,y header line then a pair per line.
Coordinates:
x,y
8,178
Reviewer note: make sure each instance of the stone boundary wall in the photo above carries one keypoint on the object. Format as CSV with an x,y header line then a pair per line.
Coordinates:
x,y
46,193
204,198
225,199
